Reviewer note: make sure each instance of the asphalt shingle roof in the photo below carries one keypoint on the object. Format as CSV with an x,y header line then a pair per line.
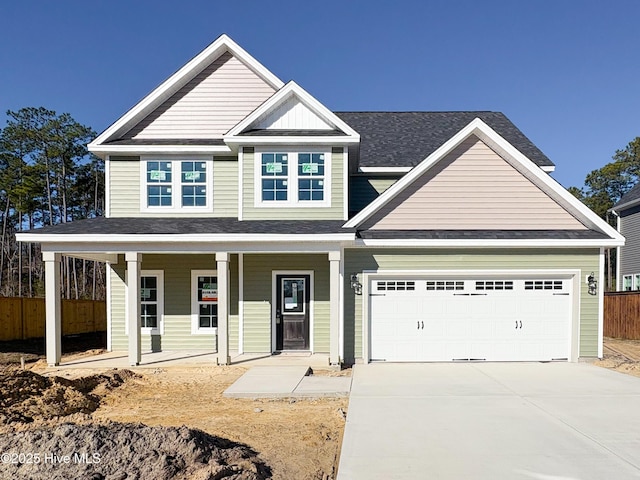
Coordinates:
x,y
404,139
631,196
483,234
172,226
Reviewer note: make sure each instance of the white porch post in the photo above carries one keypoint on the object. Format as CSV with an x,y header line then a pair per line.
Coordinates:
x,y
222,264
133,307
334,308
53,310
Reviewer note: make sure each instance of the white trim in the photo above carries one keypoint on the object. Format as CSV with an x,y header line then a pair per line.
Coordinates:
x,y
291,89
195,322
290,140
548,168
480,243
618,252
274,299
384,169
489,136
345,183
107,239
108,307
159,149
176,184
600,292
293,192
107,186
341,317
159,274
572,274
221,45
240,303
240,182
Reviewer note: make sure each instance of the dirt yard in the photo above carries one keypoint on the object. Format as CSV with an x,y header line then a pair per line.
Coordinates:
x,y
621,356
288,439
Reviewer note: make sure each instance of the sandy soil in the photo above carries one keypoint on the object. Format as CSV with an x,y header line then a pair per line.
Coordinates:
x,y
296,438
621,356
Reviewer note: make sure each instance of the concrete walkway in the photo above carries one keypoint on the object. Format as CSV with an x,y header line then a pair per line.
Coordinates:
x,y
491,421
287,381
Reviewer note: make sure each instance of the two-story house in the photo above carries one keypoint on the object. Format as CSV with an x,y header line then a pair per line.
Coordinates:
x,y
243,216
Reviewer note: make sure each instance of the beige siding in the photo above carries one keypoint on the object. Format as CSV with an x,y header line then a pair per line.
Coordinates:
x,y
225,187
333,212
357,260
124,187
124,184
258,291
177,303
209,105
473,188
291,114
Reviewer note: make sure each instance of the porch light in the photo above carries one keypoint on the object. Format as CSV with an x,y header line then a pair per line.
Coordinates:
x,y
592,283
355,284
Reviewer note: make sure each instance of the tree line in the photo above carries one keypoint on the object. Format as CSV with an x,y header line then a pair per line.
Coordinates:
x,y
47,177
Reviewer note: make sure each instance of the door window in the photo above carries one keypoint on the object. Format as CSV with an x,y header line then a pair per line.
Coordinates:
x,y
293,295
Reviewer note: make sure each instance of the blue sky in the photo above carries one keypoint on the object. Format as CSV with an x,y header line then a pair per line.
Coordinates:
x,y
566,72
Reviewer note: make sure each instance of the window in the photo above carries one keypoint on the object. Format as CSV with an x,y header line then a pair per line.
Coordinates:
x,y
151,303
494,285
445,285
391,285
183,184
204,304
627,284
291,178
543,285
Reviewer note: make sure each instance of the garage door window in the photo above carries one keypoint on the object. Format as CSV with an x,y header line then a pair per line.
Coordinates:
x,y
494,285
445,285
543,285
396,285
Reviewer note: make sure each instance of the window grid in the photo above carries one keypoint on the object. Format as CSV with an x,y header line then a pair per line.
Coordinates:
x,y
311,176
194,179
543,284
445,285
159,180
275,177
494,285
395,285
149,302
207,301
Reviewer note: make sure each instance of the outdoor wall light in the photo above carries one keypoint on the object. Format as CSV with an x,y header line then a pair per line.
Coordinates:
x,y
355,284
593,285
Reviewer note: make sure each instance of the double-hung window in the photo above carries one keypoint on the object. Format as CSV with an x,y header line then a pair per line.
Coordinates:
x,y
289,177
204,301
151,303
177,184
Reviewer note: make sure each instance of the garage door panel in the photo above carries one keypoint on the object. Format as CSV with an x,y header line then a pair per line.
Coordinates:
x,y
422,319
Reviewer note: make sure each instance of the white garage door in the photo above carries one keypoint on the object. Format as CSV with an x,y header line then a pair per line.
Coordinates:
x,y
422,319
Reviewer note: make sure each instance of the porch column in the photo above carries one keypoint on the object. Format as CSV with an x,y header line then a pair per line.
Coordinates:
x,y
222,266
334,308
133,307
53,311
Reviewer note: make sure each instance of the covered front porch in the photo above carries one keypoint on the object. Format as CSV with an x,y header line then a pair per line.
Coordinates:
x,y
197,304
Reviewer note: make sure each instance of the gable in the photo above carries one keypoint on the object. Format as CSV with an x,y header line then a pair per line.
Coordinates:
x,y
207,106
291,114
472,188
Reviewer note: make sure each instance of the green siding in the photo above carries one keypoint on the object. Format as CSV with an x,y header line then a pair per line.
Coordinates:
x,y
225,187
334,212
177,303
364,190
258,284
124,184
357,260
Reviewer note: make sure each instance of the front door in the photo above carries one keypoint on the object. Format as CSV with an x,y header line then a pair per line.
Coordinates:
x,y
292,312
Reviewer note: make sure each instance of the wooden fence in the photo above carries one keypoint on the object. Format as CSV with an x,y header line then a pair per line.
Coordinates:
x,y
622,315
22,318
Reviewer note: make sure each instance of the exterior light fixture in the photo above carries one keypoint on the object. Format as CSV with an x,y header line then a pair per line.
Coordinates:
x,y
592,283
355,284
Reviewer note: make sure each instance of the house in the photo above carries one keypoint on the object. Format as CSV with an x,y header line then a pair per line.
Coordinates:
x,y
627,210
243,216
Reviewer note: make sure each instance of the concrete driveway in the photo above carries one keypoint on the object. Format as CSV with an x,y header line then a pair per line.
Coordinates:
x,y
493,421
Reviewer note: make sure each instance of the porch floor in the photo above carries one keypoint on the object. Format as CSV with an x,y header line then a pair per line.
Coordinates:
x,y
195,358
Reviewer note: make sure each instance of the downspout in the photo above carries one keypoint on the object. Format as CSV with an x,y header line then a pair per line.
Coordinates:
x,y
618,226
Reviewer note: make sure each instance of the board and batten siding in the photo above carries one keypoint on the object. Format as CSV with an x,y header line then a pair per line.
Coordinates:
x,y
258,292
364,190
473,188
630,252
359,259
125,190
177,303
208,106
291,114
333,212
